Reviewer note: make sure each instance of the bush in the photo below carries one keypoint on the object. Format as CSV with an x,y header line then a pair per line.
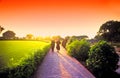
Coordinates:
x,y
79,49
27,67
102,60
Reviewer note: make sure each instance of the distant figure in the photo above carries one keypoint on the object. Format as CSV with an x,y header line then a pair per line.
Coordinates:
x,y
64,43
52,45
58,45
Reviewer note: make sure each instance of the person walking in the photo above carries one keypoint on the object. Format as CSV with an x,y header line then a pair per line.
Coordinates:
x,y
52,45
58,45
64,42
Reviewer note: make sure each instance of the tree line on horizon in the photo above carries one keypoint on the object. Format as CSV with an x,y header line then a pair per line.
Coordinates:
x,y
108,31
11,35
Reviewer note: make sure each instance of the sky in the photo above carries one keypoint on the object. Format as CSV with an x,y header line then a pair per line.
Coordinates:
x,y
57,17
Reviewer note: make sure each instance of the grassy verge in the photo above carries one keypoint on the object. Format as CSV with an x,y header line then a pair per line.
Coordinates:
x,y
22,67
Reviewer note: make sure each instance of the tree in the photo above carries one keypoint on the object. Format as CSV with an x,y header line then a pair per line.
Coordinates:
x,y
29,36
110,31
72,38
102,60
9,35
47,38
56,38
82,37
1,29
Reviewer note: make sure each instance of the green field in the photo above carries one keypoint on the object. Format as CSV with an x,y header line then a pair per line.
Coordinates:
x,y
12,53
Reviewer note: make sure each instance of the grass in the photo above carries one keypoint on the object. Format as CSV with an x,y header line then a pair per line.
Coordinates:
x,y
19,59
12,53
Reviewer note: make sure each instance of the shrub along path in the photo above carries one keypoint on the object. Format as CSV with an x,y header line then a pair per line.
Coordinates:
x,y
60,65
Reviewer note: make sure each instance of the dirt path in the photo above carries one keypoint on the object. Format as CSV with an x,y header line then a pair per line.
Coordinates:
x,y
60,65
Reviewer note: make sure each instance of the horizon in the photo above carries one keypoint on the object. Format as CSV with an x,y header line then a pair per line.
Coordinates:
x,y
57,17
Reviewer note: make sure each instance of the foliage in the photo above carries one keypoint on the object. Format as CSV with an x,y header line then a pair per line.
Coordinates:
x,y
102,59
109,31
1,29
26,65
79,49
29,36
56,38
12,51
71,39
9,35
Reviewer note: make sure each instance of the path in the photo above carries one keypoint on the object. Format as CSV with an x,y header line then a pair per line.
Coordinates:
x,y
60,65
118,70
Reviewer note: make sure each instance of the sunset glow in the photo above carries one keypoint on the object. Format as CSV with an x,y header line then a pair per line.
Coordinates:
x,y
57,17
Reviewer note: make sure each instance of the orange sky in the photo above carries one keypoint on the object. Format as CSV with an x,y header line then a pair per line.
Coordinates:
x,y
57,17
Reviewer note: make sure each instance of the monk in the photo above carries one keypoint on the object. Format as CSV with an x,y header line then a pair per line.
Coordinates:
x,y
58,45
52,45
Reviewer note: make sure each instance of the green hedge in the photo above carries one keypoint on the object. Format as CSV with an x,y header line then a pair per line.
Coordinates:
x,y
79,49
27,67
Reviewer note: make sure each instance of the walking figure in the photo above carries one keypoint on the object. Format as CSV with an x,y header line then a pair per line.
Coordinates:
x,y
58,45
64,42
52,45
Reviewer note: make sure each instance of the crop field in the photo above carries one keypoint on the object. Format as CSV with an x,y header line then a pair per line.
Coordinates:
x,y
12,53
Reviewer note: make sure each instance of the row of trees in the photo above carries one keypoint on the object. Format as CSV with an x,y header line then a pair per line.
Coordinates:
x,y
12,35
